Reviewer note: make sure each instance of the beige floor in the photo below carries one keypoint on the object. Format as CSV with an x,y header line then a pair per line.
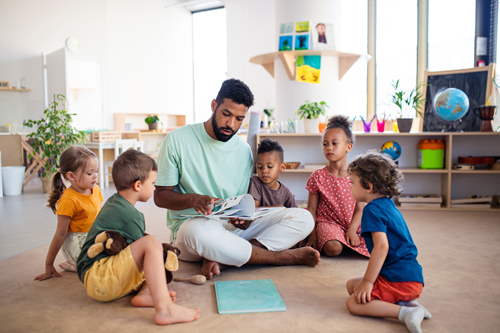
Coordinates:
x,y
458,251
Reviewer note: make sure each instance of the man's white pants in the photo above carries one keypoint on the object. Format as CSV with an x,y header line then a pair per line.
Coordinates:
x,y
201,237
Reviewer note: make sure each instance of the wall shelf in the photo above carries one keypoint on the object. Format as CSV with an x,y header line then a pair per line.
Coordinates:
x,y
346,60
448,183
21,90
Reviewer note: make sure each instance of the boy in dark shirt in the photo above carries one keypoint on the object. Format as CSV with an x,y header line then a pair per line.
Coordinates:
x,y
140,265
265,188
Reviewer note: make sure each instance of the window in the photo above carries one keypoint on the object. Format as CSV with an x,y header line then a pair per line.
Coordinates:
x,y
396,50
354,27
209,59
452,26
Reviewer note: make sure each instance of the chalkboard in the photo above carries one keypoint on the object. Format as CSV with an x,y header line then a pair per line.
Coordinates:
x,y
475,82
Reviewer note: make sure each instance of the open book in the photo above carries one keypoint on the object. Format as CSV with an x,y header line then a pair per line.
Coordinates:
x,y
241,207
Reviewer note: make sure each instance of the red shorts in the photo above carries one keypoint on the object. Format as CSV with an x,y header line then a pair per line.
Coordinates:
x,y
393,292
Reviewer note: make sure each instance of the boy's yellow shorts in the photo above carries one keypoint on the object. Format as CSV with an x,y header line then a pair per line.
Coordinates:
x,y
113,277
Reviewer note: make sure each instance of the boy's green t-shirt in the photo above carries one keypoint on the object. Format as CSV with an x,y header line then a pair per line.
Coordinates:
x,y
119,215
195,163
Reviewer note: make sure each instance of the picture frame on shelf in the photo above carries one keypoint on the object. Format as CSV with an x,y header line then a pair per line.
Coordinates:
x,y
322,36
4,85
301,42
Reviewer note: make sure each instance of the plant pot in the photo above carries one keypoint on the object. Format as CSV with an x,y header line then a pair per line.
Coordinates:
x,y
311,125
153,126
404,124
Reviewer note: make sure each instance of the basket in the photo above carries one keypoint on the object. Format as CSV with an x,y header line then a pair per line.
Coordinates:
x,y
105,136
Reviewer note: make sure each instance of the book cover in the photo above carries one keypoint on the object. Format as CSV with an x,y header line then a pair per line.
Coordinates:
x,y
248,296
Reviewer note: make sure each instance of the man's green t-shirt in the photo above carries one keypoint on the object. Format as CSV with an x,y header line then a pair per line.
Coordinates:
x,y
195,163
119,215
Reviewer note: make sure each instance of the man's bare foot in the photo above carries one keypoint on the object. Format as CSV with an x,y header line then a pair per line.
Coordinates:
x,y
210,268
302,256
176,314
144,299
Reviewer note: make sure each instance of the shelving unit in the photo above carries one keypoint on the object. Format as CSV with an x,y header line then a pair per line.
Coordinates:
x,y
21,90
346,60
449,183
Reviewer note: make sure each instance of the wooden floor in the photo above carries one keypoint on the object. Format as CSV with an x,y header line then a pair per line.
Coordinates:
x,y
26,223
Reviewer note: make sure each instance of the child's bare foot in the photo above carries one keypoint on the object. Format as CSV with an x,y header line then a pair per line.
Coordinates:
x,y
211,268
144,299
176,314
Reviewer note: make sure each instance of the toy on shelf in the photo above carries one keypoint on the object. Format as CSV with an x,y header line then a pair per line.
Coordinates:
x,y
430,154
393,149
476,159
450,106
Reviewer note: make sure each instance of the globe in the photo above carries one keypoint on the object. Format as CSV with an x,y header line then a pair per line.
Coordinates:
x,y
451,104
392,148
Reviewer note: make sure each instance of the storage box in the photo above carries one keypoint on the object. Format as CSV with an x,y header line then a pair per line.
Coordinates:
x,y
105,136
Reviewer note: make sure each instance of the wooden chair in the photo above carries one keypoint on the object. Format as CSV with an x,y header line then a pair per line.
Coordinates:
x,y
120,147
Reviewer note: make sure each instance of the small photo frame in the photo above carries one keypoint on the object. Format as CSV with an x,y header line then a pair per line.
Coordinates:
x,y
302,42
322,36
285,43
302,27
4,85
286,28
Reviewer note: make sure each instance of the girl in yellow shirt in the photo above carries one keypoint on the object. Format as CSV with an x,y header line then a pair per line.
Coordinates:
x,y
76,207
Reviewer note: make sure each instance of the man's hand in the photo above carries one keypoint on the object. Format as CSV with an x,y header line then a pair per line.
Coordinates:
x,y
352,237
240,224
363,292
201,204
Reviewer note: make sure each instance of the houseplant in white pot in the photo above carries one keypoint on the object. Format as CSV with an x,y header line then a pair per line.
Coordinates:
x,y
406,103
54,133
310,111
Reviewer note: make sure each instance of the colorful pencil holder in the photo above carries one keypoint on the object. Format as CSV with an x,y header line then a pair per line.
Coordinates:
x,y
367,126
380,126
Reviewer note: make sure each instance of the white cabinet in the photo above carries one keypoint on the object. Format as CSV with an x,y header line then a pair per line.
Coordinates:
x,y
449,183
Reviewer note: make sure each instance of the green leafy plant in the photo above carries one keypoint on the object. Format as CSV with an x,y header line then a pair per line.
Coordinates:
x,y
312,110
152,119
54,133
269,112
413,100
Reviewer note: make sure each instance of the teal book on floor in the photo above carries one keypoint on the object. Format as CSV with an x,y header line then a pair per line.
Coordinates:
x,y
248,296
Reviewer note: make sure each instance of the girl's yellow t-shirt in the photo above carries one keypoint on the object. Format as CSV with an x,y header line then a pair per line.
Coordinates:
x,y
82,208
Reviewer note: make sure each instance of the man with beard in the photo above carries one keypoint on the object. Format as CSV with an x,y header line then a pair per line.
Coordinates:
x,y
200,163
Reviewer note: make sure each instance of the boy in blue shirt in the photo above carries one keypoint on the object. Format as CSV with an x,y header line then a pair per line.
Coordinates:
x,y
393,280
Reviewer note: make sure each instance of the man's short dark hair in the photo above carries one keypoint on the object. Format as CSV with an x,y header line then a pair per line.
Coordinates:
x,y
267,145
237,91
131,166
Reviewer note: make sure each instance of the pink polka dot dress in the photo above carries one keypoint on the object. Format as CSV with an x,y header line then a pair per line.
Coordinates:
x,y
335,209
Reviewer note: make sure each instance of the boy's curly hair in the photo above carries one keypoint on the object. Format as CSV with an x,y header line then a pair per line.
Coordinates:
x,y
342,122
379,170
268,145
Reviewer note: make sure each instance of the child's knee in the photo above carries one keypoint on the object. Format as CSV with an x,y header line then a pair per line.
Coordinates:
x,y
352,306
332,248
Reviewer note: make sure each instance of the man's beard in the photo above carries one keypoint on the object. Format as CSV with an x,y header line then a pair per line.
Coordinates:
x,y
218,131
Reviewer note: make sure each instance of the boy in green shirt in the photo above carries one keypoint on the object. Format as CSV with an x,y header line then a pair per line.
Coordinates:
x,y
140,265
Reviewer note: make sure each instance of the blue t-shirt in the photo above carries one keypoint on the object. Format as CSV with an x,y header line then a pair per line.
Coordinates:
x,y
401,263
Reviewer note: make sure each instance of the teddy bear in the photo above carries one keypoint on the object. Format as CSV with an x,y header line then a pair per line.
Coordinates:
x,y
112,242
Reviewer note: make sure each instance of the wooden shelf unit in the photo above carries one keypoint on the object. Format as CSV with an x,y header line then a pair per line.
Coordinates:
x,y
137,119
463,144
21,90
346,60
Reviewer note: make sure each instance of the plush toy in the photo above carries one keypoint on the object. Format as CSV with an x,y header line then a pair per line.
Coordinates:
x,y
112,242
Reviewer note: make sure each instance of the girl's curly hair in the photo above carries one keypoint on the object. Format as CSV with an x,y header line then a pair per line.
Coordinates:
x,y
379,170
342,122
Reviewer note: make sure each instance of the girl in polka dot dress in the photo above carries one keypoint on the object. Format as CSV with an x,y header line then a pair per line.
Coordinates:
x,y
337,214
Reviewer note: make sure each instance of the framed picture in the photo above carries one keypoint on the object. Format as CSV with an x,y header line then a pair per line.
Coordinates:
x,y
285,43
302,27
4,85
322,36
302,42
286,28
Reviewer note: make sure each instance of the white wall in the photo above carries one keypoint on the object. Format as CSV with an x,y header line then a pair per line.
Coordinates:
x,y
149,58
30,27
250,32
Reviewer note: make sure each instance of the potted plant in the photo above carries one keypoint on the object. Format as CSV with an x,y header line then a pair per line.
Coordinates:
x,y
268,117
152,122
406,102
310,111
54,133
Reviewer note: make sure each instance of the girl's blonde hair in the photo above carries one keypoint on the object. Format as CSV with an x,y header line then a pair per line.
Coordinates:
x,y
72,159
